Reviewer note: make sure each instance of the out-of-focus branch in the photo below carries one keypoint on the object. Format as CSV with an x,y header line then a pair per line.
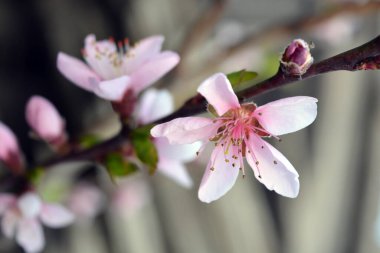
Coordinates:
x,y
300,24
199,29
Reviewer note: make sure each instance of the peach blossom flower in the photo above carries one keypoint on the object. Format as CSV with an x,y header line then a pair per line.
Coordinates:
x,y
237,133
22,217
113,69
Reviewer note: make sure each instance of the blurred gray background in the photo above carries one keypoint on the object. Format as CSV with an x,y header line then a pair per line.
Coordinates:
x,y
337,157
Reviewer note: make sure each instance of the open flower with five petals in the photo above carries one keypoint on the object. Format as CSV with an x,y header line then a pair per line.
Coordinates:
x,y
237,133
113,69
22,217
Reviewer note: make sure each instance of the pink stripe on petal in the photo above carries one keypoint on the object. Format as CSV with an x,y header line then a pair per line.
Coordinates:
x,y
218,92
219,176
152,70
114,89
30,235
273,169
44,118
287,115
186,130
76,71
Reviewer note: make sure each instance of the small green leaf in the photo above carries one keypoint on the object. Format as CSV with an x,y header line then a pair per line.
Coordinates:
x,y
35,175
118,166
88,141
240,79
144,147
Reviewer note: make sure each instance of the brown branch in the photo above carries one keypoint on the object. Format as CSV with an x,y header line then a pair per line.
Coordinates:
x,y
294,26
351,60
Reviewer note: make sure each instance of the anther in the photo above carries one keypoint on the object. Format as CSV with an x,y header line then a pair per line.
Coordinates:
x,y
212,168
227,161
260,113
275,162
257,162
233,165
262,147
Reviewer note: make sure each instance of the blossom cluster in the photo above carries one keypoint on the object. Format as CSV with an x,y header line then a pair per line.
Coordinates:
x,y
121,73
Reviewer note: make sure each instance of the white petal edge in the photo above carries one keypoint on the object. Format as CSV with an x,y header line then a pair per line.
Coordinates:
x,y
56,216
176,171
112,90
217,182
287,115
183,153
76,71
218,92
154,104
152,70
274,170
9,223
186,130
30,235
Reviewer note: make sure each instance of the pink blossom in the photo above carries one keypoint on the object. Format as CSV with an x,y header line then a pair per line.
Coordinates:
x,y
130,196
155,104
237,133
45,120
22,217
10,153
113,69
86,200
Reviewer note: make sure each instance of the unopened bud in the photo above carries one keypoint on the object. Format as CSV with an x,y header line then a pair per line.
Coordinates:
x,y
296,58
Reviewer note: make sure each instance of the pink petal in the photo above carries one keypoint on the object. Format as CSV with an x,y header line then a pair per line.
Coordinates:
x,y
44,118
6,200
183,153
287,115
218,92
29,204
112,90
152,70
154,104
56,216
76,71
9,149
217,182
86,200
30,235
9,223
273,170
176,171
143,51
186,130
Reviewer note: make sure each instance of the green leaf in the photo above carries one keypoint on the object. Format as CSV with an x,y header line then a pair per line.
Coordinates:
x,y
118,166
144,147
35,175
241,79
88,141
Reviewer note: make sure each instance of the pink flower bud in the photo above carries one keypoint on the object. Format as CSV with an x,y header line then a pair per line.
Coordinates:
x,y
10,153
296,58
45,120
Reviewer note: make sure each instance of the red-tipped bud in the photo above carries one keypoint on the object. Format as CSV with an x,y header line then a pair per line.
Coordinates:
x,y
296,58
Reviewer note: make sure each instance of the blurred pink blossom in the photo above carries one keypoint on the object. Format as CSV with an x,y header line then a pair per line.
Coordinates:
x,y
237,133
112,69
10,153
22,217
130,196
155,104
45,120
86,201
